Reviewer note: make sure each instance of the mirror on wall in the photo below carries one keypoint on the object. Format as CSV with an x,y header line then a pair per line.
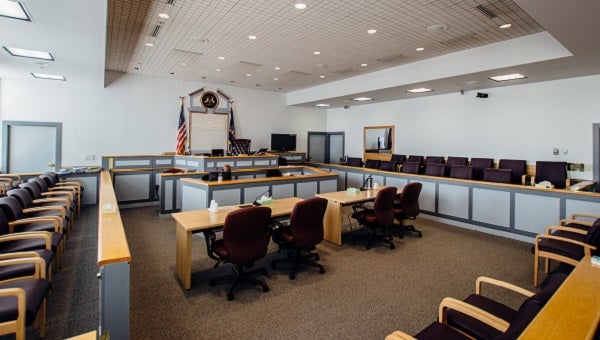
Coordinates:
x,y
378,141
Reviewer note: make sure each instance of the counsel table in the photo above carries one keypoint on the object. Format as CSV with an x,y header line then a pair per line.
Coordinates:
x,y
333,214
200,220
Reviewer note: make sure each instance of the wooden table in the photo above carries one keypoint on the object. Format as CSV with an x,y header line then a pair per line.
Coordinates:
x,y
200,220
333,215
573,312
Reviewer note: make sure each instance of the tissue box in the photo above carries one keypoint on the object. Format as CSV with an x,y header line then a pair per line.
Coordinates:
x,y
352,190
265,200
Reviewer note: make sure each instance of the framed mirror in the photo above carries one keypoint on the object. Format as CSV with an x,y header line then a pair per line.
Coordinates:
x,y
378,142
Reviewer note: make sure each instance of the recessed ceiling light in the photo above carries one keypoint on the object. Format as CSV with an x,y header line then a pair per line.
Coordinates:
x,y
362,99
508,77
419,49
419,90
316,52
163,16
248,74
218,69
48,76
275,78
505,26
364,64
322,105
21,52
149,44
183,64
252,37
372,31
14,10
321,77
300,6
221,58
277,68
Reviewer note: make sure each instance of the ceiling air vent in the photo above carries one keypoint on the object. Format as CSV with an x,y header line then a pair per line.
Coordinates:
x,y
156,30
486,11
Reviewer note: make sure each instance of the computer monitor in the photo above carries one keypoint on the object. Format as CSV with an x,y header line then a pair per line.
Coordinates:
x,y
283,142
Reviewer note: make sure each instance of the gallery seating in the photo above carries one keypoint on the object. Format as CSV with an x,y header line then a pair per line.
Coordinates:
x,y
497,175
518,169
435,169
461,171
399,159
479,164
354,161
434,160
410,167
372,163
457,160
388,165
302,234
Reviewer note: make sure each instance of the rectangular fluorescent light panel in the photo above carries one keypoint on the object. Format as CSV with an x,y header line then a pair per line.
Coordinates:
x,y
508,77
21,52
48,76
419,90
362,99
14,10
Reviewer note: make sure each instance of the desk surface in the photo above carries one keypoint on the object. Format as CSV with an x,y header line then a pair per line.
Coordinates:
x,y
344,197
196,220
573,312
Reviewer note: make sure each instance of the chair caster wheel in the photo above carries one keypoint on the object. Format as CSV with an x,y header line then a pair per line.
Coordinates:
x,y
419,234
265,288
211,283
368,247
229,296
292,276
317,257
322,271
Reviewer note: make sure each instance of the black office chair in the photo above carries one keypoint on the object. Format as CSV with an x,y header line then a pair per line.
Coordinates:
x,y
380,216
245,241
302,234
407,207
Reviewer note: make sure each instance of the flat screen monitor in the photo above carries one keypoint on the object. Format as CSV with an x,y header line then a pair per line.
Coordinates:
x,y
283,142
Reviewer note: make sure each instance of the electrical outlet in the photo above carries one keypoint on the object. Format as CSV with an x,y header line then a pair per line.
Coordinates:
x,y
555,151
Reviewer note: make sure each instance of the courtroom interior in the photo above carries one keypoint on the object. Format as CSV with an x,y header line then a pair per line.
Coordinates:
x,y
299,169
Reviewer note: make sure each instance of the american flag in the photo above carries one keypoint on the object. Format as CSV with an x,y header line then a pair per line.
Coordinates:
x,y
181,133
231,137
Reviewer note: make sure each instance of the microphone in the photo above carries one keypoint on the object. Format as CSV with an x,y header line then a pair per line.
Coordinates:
x,y
369,178
259,196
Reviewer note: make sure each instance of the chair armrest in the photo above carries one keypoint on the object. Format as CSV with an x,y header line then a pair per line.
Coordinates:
x,y
51,200
472,311
502,284
571,220
524,179
590,216
586,247
550,228
29,235
532,181
18,255
11,177
399,335
59,193
47,208
38,262
54,219
19,293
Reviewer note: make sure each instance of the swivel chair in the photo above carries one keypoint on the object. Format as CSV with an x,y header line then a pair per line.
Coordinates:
x,y
302,234
380,216
245,241
407,208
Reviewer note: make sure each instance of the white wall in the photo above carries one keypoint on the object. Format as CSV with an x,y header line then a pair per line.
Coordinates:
x,y
139,115
521,122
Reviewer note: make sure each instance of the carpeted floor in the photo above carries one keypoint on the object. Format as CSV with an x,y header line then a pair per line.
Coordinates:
x,y
364,294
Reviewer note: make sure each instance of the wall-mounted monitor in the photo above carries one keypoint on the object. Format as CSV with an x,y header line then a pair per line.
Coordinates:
x,y
283,142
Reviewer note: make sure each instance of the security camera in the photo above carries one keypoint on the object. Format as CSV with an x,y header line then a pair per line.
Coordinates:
x,y
481,95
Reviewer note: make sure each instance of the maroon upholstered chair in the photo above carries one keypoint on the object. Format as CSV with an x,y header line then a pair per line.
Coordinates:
x,y
23,299
518,168
354,161
302,234
381,216
372,163
434,160
461,171
478,317
399,159
565,245
388,165
410,167
457,160
497,175
553,172
245,241
479,164
407,207
435,169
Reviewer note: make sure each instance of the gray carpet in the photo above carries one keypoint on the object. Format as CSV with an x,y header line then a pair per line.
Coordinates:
x,y
363,294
